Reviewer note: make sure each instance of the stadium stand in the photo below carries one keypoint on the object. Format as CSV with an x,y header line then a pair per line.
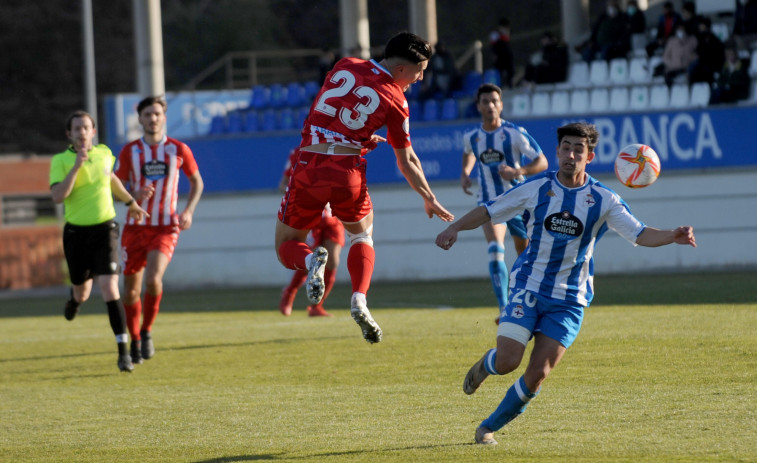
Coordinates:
x,y
295,95
700,94
619,72
492,76
430,110
599,72
599,100
579,101
450,110
217,125
638,99
579,74
251,122
679,95
619,99
659,96
521,105
559,102
540,104
278,95
261,97
234,122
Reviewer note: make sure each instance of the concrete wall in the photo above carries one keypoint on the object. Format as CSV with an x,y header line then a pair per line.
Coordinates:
x,y
231,241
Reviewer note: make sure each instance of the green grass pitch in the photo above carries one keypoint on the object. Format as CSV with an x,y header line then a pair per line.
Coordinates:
x,y
664,370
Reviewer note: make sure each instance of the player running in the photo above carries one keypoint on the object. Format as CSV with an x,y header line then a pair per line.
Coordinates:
x,y
357,98
566,212
150,166
496,150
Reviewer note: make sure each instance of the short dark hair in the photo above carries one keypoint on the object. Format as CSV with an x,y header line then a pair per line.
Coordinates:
x,y
408,46
76,114
151,100
487,88
580,129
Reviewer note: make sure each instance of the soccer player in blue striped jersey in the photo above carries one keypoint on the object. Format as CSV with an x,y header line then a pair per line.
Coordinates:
x,y
566,212
493,153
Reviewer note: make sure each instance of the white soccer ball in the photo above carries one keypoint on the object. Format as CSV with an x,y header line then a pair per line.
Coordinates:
x,y
637,166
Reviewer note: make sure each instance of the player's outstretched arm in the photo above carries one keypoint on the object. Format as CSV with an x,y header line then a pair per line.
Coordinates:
x,y
410,166
653,237
473,219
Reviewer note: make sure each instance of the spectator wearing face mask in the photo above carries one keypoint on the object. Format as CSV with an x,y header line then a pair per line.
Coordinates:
x,y
610,37
637,22
680,52
666,26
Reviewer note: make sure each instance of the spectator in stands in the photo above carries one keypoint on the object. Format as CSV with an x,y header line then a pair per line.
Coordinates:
x,y
441,73
745,23
690,18
732,83
637,22
666,27
610,37
550,65
710,54
680,52
499,41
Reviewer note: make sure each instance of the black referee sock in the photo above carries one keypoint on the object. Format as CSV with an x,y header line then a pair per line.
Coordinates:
x,y
117,316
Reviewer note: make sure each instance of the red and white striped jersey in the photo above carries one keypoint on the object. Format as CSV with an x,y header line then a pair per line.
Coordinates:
x,y
357,98
140,164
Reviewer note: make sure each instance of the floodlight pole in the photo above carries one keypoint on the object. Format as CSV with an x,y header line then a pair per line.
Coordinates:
x,y
90,85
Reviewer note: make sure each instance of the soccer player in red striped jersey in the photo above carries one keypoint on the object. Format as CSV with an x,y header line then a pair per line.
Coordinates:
x,y
357,98
329,233
150,167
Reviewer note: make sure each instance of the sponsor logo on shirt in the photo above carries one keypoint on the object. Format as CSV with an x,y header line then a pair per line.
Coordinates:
x,y
564,225
155,170
491,156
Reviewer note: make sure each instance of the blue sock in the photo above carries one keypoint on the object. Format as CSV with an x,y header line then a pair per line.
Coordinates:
x,y
489,362
512,405
498,272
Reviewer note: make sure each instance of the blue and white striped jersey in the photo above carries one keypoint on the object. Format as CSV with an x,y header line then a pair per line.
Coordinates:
x,y
509,144
563,226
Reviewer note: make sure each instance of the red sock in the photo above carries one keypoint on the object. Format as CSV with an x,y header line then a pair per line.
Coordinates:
x,y
133,314
151,307
360,261
298,279
292,254
329,277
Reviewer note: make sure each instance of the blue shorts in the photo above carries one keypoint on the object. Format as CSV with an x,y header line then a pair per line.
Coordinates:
x,y
527,313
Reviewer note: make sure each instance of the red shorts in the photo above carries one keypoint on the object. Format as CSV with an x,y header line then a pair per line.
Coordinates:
x,y
318,179
138,240
328,229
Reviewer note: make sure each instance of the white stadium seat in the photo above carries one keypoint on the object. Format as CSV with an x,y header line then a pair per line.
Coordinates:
x,y
579,101
579,74
599,100
700,94
540,104
619,99
599,72
521,105
638,71
619,71
679,96
659,97
560,102
639,98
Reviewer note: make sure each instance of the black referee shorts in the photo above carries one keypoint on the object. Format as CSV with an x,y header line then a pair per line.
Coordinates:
x,y
91,250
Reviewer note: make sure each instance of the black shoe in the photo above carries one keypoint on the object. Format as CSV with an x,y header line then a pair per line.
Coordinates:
x,y
72,308
124,363
148,349
136,352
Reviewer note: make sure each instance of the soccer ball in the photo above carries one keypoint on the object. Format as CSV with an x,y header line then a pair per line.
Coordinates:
x,y
637,166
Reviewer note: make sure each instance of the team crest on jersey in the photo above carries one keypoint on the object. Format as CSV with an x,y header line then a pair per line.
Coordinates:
x,y
518,311
590,200
170,149
491,156
155,170
564,225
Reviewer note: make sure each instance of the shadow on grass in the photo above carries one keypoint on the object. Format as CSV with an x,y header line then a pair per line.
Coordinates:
x,y
325,455
637,289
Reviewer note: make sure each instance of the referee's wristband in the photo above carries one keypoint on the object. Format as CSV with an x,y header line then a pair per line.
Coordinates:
x,y
129,202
